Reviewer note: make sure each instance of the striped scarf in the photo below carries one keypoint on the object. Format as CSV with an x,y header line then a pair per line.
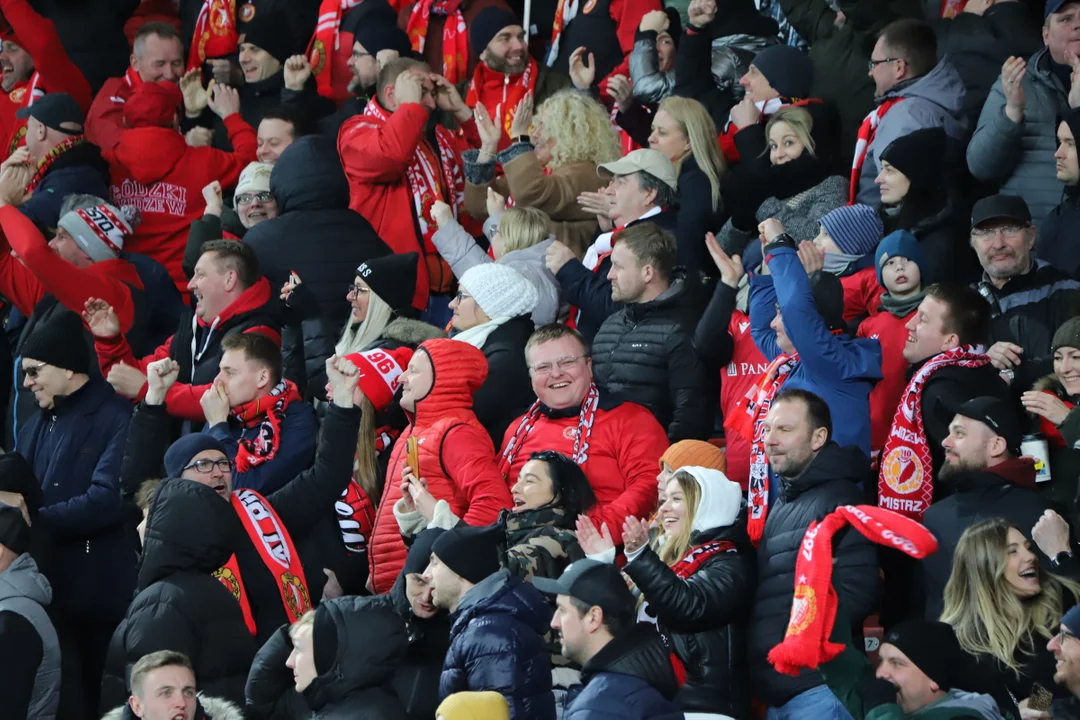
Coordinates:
x,y
866,136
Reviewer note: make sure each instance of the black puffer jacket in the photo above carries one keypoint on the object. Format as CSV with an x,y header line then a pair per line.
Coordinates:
x,y
507,391
831,480
181,606
705,615
1027,311
1059,236
370,644
92,33
316,235
497,643
644,353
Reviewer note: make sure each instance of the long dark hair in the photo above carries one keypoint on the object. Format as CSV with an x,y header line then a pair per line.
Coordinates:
x,y
568,483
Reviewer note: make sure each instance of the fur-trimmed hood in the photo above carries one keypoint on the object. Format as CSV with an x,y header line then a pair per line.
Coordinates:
x,y
1051,384
408,331
210,708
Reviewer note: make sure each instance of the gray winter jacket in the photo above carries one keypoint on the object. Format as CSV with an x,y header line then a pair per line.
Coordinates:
x,y
25,591
1021,156
461,252
934,100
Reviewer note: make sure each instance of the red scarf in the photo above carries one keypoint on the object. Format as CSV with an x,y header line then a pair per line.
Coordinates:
x,y
267,413
906,475
278,553
586,418
565,11
813,612
356,518
132,79
326,41
502,93
952,8
695,557
215,32
748,419
24,96
866,136
455,44
48,160
1050,431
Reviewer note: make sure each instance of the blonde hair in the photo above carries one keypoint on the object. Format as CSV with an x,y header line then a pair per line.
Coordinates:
x,y
799,120
367,457
672,549
988,617
523,227
698,127
581,128
306,622
355,338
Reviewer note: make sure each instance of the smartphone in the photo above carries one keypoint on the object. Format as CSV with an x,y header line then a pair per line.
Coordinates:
x,y
412,457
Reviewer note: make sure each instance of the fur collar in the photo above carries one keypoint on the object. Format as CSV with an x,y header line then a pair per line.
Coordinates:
x,y
213,709
410,332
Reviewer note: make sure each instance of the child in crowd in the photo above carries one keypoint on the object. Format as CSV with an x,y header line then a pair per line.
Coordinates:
x,y
848,236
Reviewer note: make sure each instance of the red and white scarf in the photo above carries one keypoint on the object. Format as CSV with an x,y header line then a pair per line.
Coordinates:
x,y
133,81
866,136
431,177
47,162
906,474
566,11
586,418
487,82
326,41
813,612
267,413
455,45
215,33
271,538
748,419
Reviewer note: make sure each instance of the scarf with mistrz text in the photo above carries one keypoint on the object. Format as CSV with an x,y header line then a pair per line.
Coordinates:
x,y
267,413
748,419
906,474
586,418
862,144
455,39
813,610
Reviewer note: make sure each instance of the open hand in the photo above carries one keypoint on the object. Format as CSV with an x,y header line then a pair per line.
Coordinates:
x,y
595,203
490,133
224,101
654,20
582,73
635,534
730,266
523,116
1012,76
195,96
100,318
591,541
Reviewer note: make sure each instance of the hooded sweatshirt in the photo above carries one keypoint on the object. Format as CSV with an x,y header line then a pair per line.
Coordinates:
x,y
155,171
24,592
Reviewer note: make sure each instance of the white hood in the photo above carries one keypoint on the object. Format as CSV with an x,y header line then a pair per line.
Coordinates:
x,y
721,499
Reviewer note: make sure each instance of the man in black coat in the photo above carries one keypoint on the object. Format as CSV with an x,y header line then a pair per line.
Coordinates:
x,y
988,478
644,351
816,476
1059,236
315,235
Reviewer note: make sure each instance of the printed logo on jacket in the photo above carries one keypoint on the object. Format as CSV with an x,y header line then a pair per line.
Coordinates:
x,y
160,197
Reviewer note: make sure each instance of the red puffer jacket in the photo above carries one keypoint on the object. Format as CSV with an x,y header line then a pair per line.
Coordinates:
x,y
624,456
457,459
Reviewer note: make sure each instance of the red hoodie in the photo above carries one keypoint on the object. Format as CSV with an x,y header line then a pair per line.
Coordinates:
x,y
154,170
891,332
182,399
54,71
43,271
746,365
105,121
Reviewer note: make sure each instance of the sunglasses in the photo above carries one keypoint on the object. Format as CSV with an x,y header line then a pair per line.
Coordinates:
x,y
32,372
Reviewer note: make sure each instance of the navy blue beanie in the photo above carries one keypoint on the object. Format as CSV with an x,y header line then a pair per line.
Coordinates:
x,y
180,452
900,244
856,229
1072,620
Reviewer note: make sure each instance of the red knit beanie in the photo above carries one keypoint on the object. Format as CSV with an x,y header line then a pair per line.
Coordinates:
x,y
380,373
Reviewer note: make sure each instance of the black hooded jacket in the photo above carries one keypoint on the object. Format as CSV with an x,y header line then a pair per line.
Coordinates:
x,y
832,479
181,606
315,235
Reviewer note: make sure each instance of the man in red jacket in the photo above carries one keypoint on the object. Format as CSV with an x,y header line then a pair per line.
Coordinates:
x,y
33,62
157,54
154,170
618,444
397,171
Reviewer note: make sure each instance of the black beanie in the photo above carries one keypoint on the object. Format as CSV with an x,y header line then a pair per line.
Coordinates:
x,y
14,532
374,12
471,552
376,36
1072,119
828,295
392,277
487,24
59,343
273,33
787,69
324,639
420,551
180,452
931,646
920,155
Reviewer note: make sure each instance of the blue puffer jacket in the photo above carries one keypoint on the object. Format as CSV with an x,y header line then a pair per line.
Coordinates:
x,y
840,369
631,678
75,450
496,643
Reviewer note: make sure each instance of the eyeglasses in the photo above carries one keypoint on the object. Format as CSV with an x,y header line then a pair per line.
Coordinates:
x,y
874,63
462,296
248,198
1063,634
563,364
357,290
32,372
983,233
205,465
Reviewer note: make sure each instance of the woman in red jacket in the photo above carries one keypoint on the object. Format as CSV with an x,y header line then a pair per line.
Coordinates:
x,y
455,456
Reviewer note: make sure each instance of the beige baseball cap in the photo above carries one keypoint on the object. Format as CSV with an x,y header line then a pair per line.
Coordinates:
x,y
653,162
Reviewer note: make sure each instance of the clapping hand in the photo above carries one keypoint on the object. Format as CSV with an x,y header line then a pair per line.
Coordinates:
x,y
730,266
195,95
489,132
591,541
224,100
582,74
1012,77
100,318
635,534
811,256
523,116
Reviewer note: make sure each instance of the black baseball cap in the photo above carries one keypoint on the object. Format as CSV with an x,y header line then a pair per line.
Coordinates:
x,y
54,109
1000,207
592,582
990,411
1053,6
